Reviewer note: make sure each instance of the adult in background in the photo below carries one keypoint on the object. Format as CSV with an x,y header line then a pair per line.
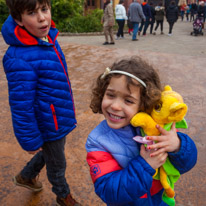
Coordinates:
x,y
121,16
136,15
171,15
193,10
151,23
108,22
147,13
159,17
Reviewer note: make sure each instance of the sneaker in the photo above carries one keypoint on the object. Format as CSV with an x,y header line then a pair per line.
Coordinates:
x,y
134,39
32,184
68,201
105,43
154,33
117,37
169,34
111,43
162,32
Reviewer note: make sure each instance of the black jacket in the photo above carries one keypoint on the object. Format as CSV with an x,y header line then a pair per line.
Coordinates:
x,y
172,13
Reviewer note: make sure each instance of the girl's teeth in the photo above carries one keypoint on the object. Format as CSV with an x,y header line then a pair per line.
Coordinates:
x,y
114,117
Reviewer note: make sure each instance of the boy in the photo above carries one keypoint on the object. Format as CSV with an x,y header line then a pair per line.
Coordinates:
x,y
40,94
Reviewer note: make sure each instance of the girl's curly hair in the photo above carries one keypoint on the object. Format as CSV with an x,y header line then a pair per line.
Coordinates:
x,y
150,96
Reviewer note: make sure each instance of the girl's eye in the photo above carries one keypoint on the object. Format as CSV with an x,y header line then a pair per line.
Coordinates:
x,y
158,107
129,101
110,95
44,8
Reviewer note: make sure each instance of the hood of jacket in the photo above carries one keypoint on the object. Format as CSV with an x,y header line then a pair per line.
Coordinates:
x,y
16,35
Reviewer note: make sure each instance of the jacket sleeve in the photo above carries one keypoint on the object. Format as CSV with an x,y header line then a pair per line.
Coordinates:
x,y
186,158
114,184
22,81
140,11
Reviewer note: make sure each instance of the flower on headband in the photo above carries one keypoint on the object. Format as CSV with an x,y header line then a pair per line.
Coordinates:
x,y
106,72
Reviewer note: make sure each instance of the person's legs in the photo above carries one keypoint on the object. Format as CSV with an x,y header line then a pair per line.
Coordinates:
x,y
27,177
141,26
161,26
111,34
122,28
170,27
119,28
135,30
33,167
151,27
146,26
106,33
157,25
54,157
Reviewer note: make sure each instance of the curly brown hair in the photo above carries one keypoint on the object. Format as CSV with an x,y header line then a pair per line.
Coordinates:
x,y
17,7
150,96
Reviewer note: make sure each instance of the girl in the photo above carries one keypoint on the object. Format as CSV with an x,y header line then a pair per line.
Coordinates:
x,y
122,169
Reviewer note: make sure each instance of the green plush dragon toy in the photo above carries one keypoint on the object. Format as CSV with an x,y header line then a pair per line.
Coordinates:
x,y
171,109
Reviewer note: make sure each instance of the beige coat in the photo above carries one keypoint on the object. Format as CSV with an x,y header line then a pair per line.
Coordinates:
x,y
108,18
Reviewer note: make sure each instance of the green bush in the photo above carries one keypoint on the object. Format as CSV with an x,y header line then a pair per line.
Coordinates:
x,y
79,24
4,12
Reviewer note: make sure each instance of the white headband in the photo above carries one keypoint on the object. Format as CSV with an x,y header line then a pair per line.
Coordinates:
x,y
108,71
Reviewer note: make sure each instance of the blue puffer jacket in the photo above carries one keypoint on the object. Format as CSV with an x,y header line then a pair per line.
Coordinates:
x,y
40,94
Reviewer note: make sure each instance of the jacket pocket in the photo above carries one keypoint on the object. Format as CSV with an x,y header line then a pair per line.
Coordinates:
x,y
54,116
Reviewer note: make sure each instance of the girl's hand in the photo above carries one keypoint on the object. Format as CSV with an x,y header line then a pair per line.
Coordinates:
x,y
168,141
34,152
154,161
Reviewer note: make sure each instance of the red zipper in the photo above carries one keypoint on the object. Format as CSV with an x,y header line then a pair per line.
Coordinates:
x,y
54,116
58,55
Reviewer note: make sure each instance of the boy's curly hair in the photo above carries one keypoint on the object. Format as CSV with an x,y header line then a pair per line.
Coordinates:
x,y
150,95
17,7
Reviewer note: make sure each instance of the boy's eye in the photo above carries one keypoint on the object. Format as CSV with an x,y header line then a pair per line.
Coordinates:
x,y
31,12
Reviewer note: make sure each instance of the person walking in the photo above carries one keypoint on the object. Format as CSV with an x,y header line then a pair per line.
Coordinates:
x,y
145,23
159,17
172,16
135,16
193,11
151,23
121,16
108,22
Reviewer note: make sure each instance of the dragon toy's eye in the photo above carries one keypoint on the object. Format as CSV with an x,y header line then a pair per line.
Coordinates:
x,y
158,107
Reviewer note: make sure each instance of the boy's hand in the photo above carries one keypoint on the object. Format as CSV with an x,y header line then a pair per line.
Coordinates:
x,y
34,152
168,141
154,161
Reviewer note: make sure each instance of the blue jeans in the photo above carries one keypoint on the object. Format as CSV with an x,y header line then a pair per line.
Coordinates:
x,y
52,155
135,29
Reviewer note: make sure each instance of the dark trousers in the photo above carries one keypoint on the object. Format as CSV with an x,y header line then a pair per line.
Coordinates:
x,y
120,27
171,24
151,26
52,155
159,22
144,24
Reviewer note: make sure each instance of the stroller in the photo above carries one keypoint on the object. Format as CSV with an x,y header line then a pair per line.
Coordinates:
x,y
197,26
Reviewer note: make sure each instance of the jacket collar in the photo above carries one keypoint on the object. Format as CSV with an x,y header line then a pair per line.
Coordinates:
x,y
15,35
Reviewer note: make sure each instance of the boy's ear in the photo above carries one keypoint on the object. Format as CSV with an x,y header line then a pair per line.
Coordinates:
x,y
18,22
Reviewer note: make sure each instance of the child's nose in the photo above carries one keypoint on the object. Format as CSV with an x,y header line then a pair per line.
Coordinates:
x,y
41,16
116,105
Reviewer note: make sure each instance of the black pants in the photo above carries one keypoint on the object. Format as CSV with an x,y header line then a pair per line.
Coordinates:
x,y
151,26
52,155
171,24
120,27
159,22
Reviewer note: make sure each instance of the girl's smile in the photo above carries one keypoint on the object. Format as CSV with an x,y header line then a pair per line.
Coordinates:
x,y
120,102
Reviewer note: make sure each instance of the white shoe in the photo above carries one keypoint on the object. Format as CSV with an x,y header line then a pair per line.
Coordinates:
x,y
116,37
169,34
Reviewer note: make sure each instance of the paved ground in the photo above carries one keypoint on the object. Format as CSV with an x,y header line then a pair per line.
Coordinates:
x,y
181,62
